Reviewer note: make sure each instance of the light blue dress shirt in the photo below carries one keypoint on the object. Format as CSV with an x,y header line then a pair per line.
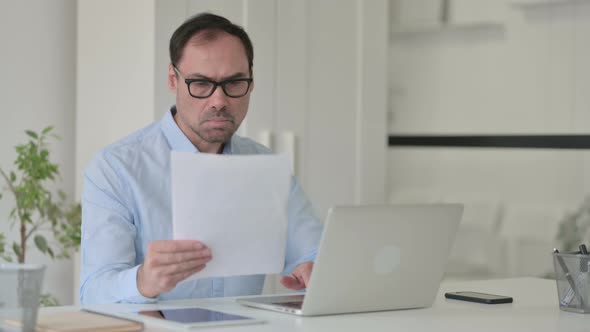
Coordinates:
x,y
126,204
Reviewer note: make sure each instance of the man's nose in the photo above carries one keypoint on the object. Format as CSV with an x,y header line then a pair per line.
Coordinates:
x,y
218,99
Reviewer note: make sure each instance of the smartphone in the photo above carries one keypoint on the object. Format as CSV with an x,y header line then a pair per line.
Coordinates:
x,y
478,297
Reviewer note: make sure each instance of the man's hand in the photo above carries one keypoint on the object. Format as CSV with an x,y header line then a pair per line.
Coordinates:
x,y
299,278
168,262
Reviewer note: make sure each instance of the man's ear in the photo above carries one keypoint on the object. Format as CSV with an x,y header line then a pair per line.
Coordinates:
x,y
172,79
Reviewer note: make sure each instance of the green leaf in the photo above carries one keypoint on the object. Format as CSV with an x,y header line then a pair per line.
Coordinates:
x,y
41,243
50,252
32,134
65,255
2,243
47,130
16,249
48,300
37,204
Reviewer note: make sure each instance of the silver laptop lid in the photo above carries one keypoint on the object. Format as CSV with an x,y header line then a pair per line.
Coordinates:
x,y
381,257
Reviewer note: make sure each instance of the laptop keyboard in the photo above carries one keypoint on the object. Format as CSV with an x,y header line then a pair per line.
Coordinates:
x,y
295,304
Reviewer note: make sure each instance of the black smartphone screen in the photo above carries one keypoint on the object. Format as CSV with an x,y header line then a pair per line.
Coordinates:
x,y
478,297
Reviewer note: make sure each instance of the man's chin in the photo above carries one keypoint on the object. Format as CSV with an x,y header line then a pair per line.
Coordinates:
x,y
217,136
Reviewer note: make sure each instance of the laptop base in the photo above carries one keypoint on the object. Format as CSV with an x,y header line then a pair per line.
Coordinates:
x,y
291,304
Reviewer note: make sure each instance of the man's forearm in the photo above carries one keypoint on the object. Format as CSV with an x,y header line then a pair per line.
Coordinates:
x,y
112,286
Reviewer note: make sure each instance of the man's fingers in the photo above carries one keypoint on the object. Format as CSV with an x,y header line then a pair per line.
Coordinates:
x,y
302,278
183,267
303,273
157,279
305,276
168,262
174,246
180,276
169,281
183,275
292,283
288,282
180,257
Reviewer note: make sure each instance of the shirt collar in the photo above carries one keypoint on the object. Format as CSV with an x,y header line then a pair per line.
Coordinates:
x,y
178,140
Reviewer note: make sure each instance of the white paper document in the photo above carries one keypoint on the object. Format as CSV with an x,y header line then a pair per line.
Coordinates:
x,y
236,205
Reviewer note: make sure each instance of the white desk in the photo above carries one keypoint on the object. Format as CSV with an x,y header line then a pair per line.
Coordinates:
x,y
535,308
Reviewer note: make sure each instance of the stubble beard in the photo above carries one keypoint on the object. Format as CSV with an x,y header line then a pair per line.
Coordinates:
x,y
212,135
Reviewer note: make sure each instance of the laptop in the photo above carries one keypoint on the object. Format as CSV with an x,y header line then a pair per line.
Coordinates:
x,y
374,258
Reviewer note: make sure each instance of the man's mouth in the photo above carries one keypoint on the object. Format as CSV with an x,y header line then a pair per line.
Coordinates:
x,y
218,119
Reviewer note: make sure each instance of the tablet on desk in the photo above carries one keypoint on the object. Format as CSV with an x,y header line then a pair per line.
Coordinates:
x,y
193,317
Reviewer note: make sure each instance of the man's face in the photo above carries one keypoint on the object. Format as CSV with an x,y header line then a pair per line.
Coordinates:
x,y
210,122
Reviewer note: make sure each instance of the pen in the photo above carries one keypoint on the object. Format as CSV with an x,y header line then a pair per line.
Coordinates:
x,y
569,278
583,260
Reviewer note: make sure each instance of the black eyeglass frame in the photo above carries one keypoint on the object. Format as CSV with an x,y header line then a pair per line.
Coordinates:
x,y
189,81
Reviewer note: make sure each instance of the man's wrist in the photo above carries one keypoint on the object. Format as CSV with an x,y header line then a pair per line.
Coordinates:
x,y
141,284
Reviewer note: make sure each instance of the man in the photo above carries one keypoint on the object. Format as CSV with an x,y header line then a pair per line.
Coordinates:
x,y
127,254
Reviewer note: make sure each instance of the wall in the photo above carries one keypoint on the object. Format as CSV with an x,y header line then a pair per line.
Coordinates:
x,y
37,89
115,78
497,68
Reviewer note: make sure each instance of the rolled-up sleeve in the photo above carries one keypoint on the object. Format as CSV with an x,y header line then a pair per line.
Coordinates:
x,y
304,229
108,252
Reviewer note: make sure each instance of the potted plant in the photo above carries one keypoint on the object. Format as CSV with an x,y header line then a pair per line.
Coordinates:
x,y
37,210
574,227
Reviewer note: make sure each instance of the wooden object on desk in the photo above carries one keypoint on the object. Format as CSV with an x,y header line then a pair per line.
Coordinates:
x,y
70,321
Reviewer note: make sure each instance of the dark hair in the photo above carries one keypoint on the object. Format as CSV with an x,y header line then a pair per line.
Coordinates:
x,y
207,22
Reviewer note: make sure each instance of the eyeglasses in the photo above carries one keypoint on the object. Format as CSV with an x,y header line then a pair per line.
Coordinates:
x,y
202,88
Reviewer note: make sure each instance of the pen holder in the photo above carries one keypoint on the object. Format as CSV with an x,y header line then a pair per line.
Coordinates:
x,y
573,281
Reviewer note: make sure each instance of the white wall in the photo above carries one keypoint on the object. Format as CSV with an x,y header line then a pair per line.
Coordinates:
x,y
37,89
529,74
168,16
115,78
